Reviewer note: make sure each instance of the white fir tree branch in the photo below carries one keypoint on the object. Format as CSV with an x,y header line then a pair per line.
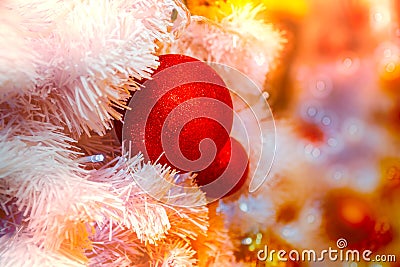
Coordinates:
x,y
20,250
239,40
17,59
89,52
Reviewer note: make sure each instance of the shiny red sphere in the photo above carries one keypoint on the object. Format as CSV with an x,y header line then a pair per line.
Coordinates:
x,y
228,172
181,117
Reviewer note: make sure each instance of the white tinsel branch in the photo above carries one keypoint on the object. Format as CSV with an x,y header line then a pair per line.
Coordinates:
x,y
17,59
40,172
152,217
239,40
89,52
174,253
20,250
61,202
216,245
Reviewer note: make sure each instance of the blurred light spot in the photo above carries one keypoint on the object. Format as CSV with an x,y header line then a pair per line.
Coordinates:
x,y
313,151
388,53
235,40
316,152
258,239
247,241
259,59
308,149
321,87
94,159
347,62
332,142
335,144
378,17
312,111
326,120
244,207
390,67
288,231
348,65
353,129
353,212
252,247
310,218
338,175
98,158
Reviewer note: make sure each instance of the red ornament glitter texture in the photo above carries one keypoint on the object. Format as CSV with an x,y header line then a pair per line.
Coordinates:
x,y
231,166
182,117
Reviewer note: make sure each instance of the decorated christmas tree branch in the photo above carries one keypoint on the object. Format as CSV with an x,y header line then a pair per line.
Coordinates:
x,y
239,39
86,52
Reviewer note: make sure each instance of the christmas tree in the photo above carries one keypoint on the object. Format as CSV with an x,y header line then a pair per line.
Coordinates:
x,y
198,133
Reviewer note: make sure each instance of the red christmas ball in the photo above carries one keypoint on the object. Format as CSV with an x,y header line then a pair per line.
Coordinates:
x,y
183,115
227,173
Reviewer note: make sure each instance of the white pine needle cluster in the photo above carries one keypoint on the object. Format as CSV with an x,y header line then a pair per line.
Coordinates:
x,y
240,40
147,220
70,210
66,67
20,250
81,55
216,246
17,59
176,254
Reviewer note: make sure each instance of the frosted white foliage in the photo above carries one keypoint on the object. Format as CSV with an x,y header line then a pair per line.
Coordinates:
x,y
288,155
219,246
148,221
39,171
61,201
176,254
88,51
239,40
19,250
17,59
153,203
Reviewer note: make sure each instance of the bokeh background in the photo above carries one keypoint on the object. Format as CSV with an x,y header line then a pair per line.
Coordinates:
x,y
335,85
